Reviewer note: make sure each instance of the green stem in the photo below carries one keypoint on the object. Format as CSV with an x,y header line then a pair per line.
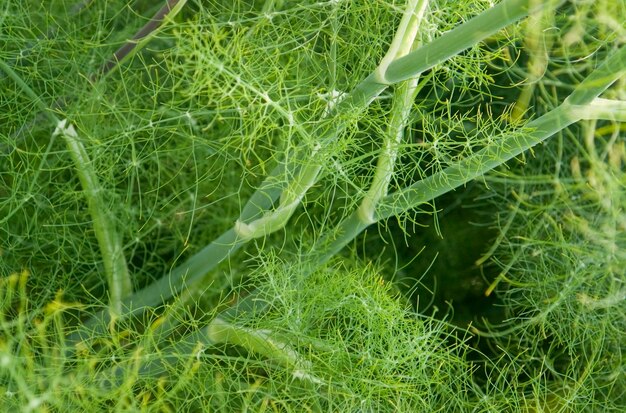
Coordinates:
x,y
404,97
115,267
219,332
290,199
257,341
603,109
611,69
405,35
537,43
113,259
476,165
462,37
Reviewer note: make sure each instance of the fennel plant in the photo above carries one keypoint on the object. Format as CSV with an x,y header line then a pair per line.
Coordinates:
x,y
288,205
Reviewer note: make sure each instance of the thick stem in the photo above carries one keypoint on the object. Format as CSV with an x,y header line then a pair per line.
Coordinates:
x,y
184,275
405,34
603,109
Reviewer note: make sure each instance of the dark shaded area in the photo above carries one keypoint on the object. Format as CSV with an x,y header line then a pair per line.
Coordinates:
x,y
436,267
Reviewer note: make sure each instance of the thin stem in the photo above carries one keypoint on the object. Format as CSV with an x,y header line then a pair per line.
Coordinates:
x,y
113,259
148,31
537,43
260,342
36,99
405,35
193,270
220,331
611,69
502,233
290,199
438,184
404,97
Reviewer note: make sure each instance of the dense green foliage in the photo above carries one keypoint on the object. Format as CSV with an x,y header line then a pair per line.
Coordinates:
x,y
341,205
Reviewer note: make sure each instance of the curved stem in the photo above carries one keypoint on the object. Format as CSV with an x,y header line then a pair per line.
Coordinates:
x,y
404,97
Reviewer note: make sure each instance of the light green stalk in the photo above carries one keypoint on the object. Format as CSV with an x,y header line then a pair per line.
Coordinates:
x,y
602,109
462,37
114,262
261,342
220,331
404,97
